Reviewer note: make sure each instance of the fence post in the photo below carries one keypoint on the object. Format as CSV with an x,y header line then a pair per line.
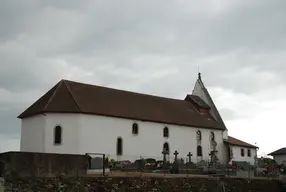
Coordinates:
x,y
82,185
103,167
227,168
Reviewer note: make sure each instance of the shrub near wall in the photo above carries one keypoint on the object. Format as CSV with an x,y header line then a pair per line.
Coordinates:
x,y
114,184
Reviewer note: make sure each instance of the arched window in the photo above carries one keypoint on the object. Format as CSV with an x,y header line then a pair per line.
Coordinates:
x,y
119,146
135,128
166,132
199,135
199,151
166,148
58,135
212,136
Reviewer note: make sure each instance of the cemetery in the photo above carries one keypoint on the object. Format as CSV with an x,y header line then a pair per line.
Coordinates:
x,y
27,171
173,165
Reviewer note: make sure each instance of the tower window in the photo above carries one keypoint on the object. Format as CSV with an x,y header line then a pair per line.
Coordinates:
x,y
166,132
199,135
135,128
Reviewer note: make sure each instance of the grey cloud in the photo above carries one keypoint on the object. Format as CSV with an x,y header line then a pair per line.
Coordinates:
x,y
148,46
227,114
9,124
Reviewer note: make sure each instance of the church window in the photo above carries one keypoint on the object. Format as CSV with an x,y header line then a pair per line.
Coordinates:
x,y
199,135
166,132
135,128
58,135
242,152
119,147
212,136
199,151
248,152
166,148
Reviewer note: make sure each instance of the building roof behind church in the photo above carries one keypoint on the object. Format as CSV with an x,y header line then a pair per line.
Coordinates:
x,y
237,142
281,151
74,97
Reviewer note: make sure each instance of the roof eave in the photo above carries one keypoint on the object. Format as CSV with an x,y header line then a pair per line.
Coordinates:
x,y
248,146
140,119
274,154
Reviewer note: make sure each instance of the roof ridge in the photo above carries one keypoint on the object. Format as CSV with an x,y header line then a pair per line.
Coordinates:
x,y
122,90
54,93
70,92
73,97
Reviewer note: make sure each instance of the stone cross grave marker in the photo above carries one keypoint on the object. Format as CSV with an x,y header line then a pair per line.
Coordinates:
x,y
164,152
175,166
176,155
190,157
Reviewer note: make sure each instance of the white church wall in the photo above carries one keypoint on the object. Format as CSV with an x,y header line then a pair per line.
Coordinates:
x,y
98,134
33,133
225,135
236,152
70,124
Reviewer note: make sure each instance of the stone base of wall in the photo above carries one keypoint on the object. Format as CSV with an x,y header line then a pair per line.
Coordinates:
x,y
109,184
30,164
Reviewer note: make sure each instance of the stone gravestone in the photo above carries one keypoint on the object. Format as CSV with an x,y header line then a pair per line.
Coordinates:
x,y
165,152
213,154
176,165
189,160
182,164
96,163
140,164
213,161
190,157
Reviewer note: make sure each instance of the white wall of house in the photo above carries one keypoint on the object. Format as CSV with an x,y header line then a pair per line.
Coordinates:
x,y
279,158
237,156
98,134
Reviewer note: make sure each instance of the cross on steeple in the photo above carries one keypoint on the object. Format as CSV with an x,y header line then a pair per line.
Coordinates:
x,y
199,76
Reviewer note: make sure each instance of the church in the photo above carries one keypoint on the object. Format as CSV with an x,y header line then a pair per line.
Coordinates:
x,y
79,118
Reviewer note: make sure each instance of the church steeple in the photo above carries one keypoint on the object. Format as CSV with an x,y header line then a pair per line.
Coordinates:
x,y
201,91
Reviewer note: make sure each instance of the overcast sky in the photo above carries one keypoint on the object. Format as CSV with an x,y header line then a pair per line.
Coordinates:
x,y
152,47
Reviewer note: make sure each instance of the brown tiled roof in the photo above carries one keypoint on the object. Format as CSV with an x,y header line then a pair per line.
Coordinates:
x,y
237,142
73,97
281,151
